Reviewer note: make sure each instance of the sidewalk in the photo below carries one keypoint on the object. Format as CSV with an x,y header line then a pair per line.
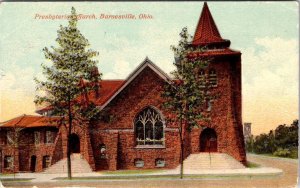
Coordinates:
x,y
247,172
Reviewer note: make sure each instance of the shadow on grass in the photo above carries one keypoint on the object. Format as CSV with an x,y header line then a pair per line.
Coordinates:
x,y
252,165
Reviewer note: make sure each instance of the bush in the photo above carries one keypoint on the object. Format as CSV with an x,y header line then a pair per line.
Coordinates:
x,y
282,152
294,153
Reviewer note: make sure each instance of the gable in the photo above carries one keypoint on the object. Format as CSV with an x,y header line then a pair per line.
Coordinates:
x,y
145,65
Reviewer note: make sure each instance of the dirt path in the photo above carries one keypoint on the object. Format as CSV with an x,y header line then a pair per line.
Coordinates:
x,y
288,179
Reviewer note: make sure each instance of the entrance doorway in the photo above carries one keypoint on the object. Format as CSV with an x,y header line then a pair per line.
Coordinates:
x,y
208,140
32,163
74,143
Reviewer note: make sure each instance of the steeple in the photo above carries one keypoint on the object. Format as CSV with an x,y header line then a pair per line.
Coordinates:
x,y
207,33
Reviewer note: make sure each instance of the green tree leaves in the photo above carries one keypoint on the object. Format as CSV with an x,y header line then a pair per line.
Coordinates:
x,y
71,62
281,142
187,94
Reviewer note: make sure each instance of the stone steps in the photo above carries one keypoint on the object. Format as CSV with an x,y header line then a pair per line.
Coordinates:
x,y
78,164
211,161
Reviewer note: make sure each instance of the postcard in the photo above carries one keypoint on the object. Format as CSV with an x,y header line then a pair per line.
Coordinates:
x,y
149,94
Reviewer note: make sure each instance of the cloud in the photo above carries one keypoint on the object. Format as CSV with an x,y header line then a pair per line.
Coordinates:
x,y
121,69
16,93
270,83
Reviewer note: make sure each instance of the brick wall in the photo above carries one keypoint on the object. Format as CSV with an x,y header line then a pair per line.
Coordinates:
x,y
144,91
26,149
118,134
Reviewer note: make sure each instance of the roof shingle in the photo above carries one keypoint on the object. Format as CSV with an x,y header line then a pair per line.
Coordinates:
x,y
30,121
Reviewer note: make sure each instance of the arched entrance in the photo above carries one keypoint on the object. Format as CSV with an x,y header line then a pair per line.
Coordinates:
x,y
74,143
32,163
208,140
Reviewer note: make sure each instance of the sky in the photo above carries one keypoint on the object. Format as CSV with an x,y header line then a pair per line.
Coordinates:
x,y
266,33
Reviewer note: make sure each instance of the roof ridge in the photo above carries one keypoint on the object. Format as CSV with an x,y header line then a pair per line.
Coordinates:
x,y
112,80
145,63
20,119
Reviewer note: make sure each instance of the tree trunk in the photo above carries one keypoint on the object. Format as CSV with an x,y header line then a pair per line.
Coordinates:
x,y
68,143
181,149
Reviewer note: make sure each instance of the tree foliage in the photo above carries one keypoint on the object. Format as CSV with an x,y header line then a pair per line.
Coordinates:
x,y
187,94
283,141
72,75
72,64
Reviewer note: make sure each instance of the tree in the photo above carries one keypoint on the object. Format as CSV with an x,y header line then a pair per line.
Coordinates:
x,y
71,76
272,141
187,94
250,144
13,139
261,144
282,142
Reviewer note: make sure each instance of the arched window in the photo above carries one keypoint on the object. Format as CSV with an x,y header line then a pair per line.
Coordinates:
x,y
213,78
149,128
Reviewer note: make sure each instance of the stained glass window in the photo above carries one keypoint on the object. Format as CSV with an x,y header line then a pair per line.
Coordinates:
x,y
149,128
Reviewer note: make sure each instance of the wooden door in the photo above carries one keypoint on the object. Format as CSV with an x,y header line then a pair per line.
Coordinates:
x,y
208,141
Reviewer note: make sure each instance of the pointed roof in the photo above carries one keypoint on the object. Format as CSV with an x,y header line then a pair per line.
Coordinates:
x,y
144,64
207,33
109,89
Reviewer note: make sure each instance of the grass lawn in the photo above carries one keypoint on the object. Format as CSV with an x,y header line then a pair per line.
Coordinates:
x,y
293,155
168,177
16,179
252,165
128,172
6,174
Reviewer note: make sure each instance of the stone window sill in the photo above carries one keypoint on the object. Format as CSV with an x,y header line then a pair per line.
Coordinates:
x,y
150,147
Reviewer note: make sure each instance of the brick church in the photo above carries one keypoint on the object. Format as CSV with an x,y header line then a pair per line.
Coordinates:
x,y
135,133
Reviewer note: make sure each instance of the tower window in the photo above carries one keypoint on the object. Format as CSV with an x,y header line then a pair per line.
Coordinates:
x,y
202,78
209,105
213,78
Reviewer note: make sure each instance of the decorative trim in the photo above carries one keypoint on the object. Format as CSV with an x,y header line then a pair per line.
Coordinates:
x,y
150,147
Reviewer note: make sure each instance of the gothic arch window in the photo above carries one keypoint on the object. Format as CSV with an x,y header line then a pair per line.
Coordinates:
x,y
149,127
213,78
